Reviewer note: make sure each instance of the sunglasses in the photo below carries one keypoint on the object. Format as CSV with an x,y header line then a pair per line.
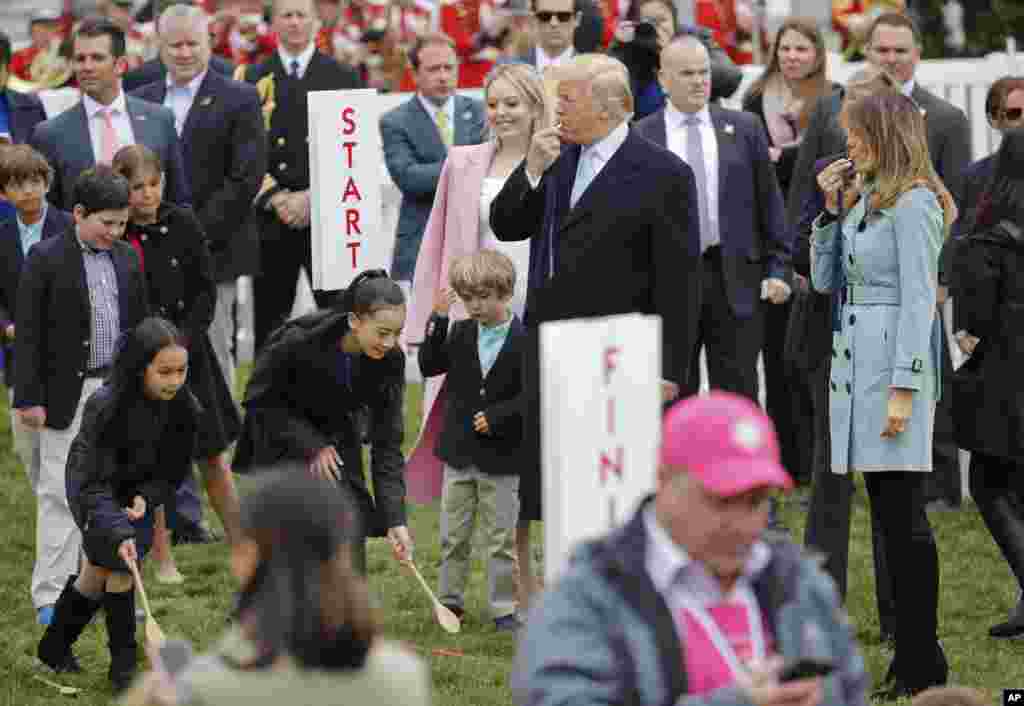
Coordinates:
x,y
563,17
1013,113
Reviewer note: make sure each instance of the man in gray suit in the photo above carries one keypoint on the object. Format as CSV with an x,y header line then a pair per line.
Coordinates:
x,y
416,136
106,119
894,44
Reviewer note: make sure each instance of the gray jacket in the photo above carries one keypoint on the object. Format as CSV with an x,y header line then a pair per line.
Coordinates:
x,y
604,635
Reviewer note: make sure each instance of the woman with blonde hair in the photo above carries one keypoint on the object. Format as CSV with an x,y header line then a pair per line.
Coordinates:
x,y
880,262
459,224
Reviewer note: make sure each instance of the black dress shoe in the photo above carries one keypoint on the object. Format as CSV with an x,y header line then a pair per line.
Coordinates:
x,y
1013,627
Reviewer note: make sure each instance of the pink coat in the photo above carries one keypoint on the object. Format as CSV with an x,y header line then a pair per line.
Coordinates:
x,y
453,230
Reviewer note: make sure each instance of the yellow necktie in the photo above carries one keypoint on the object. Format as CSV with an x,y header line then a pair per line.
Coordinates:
x,y
444,127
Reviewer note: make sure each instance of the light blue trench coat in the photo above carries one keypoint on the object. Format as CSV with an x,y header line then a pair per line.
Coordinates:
x,y
889,333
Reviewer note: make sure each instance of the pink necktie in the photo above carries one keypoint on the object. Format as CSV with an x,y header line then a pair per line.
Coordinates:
x,y
108,137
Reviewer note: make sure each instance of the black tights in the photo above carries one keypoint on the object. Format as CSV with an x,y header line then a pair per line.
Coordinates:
x,y
897,500
997,486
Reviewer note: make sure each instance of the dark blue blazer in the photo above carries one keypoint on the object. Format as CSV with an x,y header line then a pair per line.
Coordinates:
x,y
414,153
25,111
53,325
64,140
751,213
631,243
224,144
12,258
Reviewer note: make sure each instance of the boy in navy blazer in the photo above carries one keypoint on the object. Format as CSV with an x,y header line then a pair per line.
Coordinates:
x,y
483,427
25,177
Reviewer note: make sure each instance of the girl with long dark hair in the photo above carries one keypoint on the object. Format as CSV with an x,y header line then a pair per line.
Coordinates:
x,y
134,448
313,381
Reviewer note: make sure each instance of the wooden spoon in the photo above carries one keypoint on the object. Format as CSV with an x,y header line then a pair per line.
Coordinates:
x,y
61,689
447,619
154,635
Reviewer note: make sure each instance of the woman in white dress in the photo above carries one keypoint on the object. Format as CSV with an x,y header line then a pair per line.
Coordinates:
x,y
470,179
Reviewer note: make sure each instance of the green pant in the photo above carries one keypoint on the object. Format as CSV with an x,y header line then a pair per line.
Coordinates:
x,y
469,493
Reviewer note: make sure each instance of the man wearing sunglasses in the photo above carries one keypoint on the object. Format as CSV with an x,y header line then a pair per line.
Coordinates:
x,y
555,22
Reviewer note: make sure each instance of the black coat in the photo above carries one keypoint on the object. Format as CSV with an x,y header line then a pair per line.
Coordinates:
x,y
988,395
12,259
179,279
224,145
145,448
297,403
499,396
53,325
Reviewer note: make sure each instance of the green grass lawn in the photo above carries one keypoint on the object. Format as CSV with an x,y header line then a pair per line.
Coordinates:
x,y
977,590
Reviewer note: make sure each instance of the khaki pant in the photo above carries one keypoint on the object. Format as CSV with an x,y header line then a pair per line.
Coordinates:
x,y
58,540
467,494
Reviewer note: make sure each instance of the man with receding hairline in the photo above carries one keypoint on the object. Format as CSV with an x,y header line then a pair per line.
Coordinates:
x,y
613,228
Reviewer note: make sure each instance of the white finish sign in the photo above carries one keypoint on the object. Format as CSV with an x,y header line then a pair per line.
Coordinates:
x,y
600,426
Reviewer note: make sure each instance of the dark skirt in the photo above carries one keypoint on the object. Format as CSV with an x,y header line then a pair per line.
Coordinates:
x,y
98,544
220,422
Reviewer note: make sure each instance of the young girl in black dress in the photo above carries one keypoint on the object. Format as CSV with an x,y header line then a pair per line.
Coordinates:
x,y
176,261
135,446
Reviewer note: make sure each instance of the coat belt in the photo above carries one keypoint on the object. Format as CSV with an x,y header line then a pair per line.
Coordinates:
x,y
867,294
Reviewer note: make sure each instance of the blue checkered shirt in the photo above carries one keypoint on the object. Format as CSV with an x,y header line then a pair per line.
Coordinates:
x,y
101,278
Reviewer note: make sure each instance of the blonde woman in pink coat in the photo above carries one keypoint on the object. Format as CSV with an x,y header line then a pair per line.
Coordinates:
x,y
459,224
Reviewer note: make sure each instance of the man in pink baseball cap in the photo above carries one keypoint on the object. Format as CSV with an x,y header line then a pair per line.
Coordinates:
x,y
689,601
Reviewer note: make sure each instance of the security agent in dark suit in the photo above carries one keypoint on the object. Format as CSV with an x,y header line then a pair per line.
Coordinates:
x,y
613,225
283,207
78,138
78,292
416,136
19,112
746,245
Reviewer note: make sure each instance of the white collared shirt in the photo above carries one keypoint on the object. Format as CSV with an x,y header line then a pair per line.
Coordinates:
x,y
675,135
180,98
433,109
675,575
119,117
544,61
908,88
304,58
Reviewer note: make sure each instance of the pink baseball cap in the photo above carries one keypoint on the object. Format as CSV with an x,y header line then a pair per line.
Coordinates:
x,y
724,441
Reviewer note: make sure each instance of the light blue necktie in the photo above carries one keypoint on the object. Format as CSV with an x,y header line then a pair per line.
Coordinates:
x,y
584,175
695,158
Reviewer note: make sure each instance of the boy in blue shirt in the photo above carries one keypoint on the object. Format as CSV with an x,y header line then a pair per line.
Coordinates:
x,y
483,428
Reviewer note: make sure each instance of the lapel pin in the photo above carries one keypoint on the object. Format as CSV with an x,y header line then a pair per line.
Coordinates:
x,y
206,101
729,129
140,117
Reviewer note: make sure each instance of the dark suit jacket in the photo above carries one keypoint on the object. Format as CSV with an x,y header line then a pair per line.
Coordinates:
x,y
25,112
64,140
155,70
498,396
54,323
631,244
751,216
414,153
224,145
12,259
949,142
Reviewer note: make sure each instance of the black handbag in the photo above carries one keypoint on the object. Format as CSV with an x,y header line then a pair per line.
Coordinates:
x,y
809,330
